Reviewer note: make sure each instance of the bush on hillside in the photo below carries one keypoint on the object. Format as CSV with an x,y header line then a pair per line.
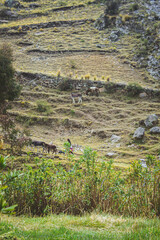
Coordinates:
x,y
133,89
9,89
65,85
134,7
112,7
43,106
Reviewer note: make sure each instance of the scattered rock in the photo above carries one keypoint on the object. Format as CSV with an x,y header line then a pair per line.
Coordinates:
x,y
101,45
118,145
155,130
100,23
110,154
7,14
13,3
34,5
3,21
132,145
114,36
139,133
115,138
151,120
143,95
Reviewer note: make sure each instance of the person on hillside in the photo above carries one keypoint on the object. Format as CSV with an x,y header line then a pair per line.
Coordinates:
x,y
71,148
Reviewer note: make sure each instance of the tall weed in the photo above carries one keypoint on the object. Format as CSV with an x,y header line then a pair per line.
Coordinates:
x,y
83,186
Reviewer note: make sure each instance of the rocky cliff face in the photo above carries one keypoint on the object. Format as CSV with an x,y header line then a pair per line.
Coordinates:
x,y
142,18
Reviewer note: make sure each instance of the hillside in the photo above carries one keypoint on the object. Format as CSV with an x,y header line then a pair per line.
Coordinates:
x,y
60,47
55,40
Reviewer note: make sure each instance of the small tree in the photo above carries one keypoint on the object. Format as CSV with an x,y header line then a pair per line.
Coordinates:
x,y
112,7
9,89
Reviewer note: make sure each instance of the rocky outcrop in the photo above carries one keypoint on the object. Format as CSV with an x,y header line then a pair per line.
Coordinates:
x,y
139,133
151,120
155,130
137,18
34,79
115,138
7,14
13,3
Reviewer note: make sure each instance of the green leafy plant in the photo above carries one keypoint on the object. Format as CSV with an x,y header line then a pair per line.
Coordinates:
x,y
3,161
43,106
65,85
84,185
134,7
9,89
133,89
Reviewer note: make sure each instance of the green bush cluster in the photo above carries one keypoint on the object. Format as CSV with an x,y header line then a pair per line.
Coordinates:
x,y
43,106
9,89
112,7
110,87
65,85
133,89
134,7
83,186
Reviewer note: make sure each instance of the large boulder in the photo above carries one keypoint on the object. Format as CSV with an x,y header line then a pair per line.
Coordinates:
x,y
155,130
13,3
139,133
143,95
151,120
115,138
7,14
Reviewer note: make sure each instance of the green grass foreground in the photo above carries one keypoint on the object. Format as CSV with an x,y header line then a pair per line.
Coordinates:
x,y
91,226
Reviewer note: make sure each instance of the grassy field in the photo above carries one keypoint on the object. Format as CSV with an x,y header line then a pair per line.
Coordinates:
x,y
91,123
88,227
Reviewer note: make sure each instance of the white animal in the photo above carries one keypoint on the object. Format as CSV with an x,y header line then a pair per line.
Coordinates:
x,y
76,96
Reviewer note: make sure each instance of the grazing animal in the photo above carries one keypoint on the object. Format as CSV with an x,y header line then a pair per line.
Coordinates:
x,y
38,144
93,91
50,147
76,96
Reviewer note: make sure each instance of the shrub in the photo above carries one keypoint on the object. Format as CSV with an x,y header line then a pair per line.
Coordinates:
x,y
58,73
72,112
126,17
87,76
133,89
110,87
134,7
83,186
12,135
112,7
9,89
2,162
65,85
43,106
73,64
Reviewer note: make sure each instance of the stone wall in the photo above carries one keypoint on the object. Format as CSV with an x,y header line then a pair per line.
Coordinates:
x,y
36,79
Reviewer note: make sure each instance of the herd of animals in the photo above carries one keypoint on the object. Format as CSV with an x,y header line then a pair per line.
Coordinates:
x,y
51,147
89,91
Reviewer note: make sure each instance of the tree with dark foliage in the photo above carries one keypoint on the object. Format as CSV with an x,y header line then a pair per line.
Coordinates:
x,y
9,89
112,7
